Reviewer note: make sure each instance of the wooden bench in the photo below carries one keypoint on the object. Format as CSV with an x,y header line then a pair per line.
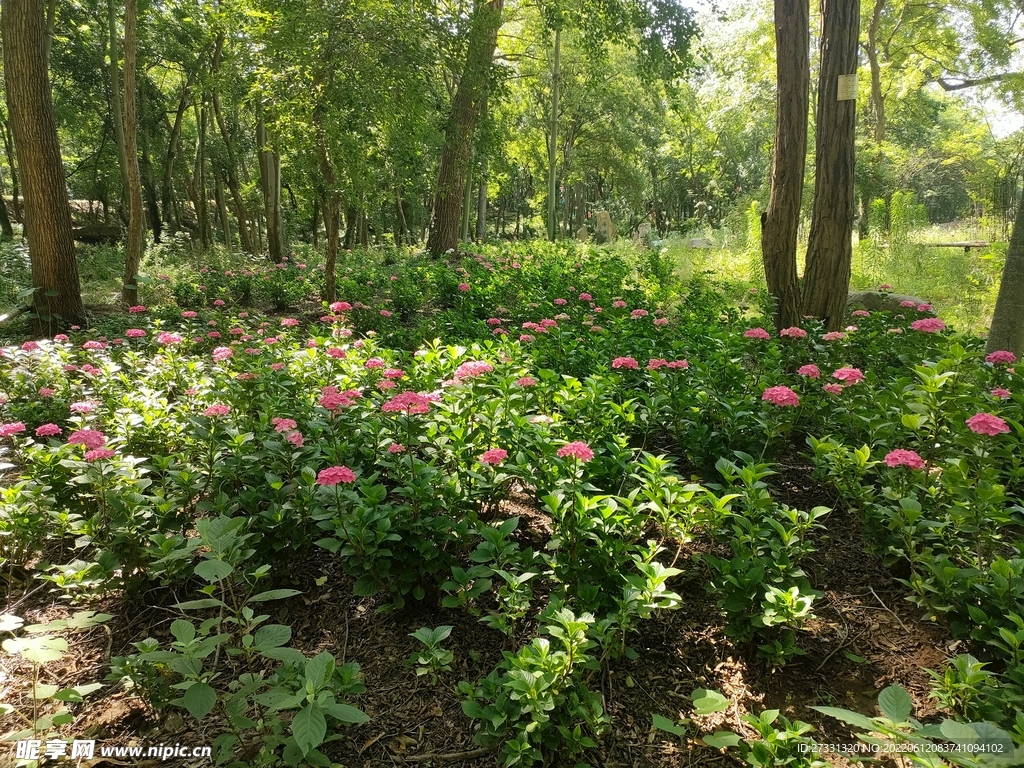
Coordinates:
x,y
967,245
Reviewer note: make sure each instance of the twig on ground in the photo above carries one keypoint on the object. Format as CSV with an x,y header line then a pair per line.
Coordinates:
x,y
448,757
887,608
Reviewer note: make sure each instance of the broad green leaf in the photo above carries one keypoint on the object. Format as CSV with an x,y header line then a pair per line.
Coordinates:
x,y
664,724
195,605
273,594
706,702
272,636
853,718
183,631
721,739
309,728
199,700
347,714
213,570
895,703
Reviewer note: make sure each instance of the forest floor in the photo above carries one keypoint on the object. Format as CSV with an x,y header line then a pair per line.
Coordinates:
x,y
865,637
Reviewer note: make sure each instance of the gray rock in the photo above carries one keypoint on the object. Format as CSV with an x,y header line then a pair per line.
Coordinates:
x,y
877,301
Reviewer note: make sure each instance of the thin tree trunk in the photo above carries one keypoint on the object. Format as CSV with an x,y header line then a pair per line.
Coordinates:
x,y
332,213
148,177
6,230
230,173
782,219
12,164
403,225
58,296
202,196
1007,330
114,75
466,106
481,205
556,76
877,100
222,210
830,242
466,205
314,232
173,143
135,242
270,179
351,219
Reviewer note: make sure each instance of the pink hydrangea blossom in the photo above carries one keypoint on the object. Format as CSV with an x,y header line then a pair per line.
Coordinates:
x,y
655,363
84,406
463,287
834,336
679,364
96,454
885,287
393,373
1001,356
860,313
1001,393
189,314
289,322
619,304
217,410
757,333
11,428
218,302
577,450
928,325
472,368
166,338
781,396
586,297
811,371
335,475
385,313
93,345
904,458
283,425
987,424
295,438
30,346
526,338
47,430
340,306
493,321
526,381
560,302
408,402
61,337
385,384
636,314
396,448
135,333
493,457
90,438
658,323
374,362
848,375
833,389
625,362
924,307
793,332
137,309
907,303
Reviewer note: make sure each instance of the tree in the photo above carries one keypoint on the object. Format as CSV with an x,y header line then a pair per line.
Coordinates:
x,y
58,296
782,219
830,241
135,242
1007,331
469,98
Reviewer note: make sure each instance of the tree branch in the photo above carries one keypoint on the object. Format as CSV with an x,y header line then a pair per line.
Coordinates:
x,y
949,85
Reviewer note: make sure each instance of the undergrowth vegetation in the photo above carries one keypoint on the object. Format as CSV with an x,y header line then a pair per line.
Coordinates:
x,y
202,445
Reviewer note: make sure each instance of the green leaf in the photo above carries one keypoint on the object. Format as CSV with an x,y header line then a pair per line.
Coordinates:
x,y
366,586
320,669
347,714
958,732
309,728
664,724
195,605
272,636
706,702
721,739
853,718
287,655
895,703
183,631
44,691
213,570
38,650
199,700
273,594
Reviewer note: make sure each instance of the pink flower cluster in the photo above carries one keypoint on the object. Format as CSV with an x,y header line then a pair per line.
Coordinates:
x,y
526,381
928,325
12,428
283,425
90,438
494,457
217,410
811,371
409,402
904,458
987,424
577,450
793,332
625,362
99,453
1000,356
782,396
471,369
757,333
166,338
335,475
332,399
47,430
848,376
135,333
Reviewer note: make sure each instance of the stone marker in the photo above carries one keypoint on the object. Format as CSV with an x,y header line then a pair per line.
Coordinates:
x,y
878,301
583,234
700,242
642,232
605,230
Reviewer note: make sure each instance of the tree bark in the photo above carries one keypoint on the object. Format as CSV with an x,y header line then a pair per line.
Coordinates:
x,y
782,219
114,74
135,242
230,172
58,296
202,196
148,177
1007,331
830,242
877,100
173,143
556,75
270,180
12,163
332,215
466,107
481,205
6,230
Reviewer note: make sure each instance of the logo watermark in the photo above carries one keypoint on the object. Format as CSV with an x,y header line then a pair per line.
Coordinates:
x,y
61,749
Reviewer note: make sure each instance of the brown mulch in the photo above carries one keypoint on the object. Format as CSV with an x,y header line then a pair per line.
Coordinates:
x,y
865,637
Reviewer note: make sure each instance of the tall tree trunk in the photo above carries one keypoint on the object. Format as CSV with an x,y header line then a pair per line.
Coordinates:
x,y
314,228
830,242
222,210
466,204
173,143
58,295
481,205
12,163
556,76
782,219
351,220
332,213
877,100
1007,331
403,225
270,180
136,239
202,195
6,230
458,141
148,177
114,75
